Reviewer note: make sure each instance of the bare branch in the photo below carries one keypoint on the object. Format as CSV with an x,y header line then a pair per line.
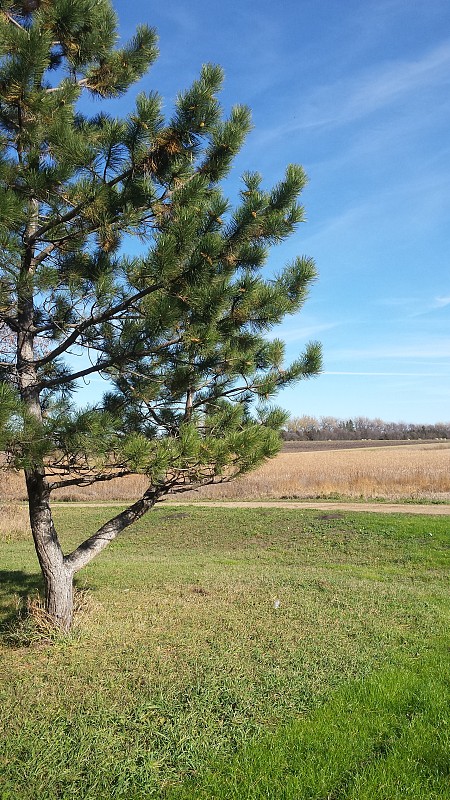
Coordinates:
x,y
102,365
14,22
74,376
83,82
45,252
85,481
11,322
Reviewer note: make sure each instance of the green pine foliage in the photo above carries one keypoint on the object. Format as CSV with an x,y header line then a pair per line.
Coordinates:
x,y
179,333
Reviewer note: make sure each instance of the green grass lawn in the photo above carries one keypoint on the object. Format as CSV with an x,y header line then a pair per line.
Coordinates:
x,y
184,680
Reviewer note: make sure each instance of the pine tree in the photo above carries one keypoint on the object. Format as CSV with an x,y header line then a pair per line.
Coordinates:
x,y
179,333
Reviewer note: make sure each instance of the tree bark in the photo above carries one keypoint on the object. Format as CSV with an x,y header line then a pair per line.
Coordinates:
x,y
57,569
91,547
56,573
59,599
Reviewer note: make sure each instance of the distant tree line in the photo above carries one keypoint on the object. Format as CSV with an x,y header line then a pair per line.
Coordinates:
x,y
307,428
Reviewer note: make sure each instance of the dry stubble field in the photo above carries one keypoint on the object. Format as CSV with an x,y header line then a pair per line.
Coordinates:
x,y
412,472
304,470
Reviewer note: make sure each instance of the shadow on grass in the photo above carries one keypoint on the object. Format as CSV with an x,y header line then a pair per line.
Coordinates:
x,y
16,623
15,586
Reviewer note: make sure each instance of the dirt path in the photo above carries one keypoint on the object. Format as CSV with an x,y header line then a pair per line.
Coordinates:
x,y
374,508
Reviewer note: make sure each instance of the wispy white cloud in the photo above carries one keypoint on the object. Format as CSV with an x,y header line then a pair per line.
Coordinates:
x,y
424,307
432,349
372,91
388,374
441,302
393,137
419,202
348,100
303,333
398,302
411,307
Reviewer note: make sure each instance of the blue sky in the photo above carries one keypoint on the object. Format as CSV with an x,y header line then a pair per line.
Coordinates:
x,y
357,91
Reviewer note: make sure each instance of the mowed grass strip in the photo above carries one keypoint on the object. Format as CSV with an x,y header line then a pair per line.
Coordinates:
x,y
206,629
387,736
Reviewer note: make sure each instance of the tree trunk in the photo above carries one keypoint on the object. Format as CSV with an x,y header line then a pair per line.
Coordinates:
x,y
57,575
59,598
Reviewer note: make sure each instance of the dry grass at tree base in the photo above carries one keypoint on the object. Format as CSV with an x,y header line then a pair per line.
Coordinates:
x,y
412,472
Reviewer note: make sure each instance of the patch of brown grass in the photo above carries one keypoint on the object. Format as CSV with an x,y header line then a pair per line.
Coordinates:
x,y
12,487
14,522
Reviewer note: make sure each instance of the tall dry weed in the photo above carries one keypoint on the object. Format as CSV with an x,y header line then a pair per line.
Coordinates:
x,y
14,522
12,485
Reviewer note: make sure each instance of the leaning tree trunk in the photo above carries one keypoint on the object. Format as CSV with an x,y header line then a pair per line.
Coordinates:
x,y
57,574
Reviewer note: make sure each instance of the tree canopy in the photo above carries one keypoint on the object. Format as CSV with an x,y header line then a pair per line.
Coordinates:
x,y
180,332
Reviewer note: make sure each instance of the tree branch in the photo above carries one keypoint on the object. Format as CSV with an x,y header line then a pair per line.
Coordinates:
x,y
96,543
83,82
70,215
14,22
96,320
102,365
61,381
11,322
63,484
42,255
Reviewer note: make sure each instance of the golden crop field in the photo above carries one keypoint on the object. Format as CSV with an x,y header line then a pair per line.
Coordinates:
x,y
405,472
409,471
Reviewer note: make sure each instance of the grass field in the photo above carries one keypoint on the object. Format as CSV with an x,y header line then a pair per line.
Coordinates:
x,y
407,471
227,653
